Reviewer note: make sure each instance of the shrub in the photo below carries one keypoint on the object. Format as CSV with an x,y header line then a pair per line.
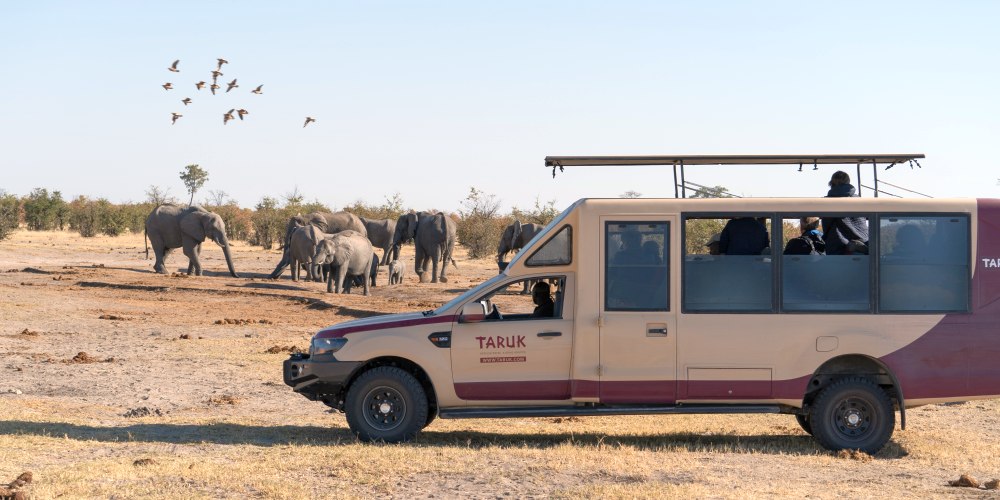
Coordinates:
x,y
83,217
391,209
481,224
268,223
539,214
112,219
42,211
239,221
10,214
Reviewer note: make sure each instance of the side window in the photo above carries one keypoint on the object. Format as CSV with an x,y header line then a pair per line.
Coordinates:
x,y
727,263
536,298
636,276
825,265
558,251
923,264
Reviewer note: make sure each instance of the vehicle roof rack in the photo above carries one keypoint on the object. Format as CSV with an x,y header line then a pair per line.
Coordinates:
x,y
681,186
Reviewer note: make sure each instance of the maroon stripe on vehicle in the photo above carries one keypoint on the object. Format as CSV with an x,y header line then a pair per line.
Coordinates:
x,y
514,391
639,391
585,388
958,357
338,332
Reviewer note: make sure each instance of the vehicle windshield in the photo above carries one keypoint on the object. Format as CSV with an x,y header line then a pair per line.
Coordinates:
x,y
473,291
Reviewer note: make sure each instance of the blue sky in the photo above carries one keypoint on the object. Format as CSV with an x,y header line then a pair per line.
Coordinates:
x,y
430,98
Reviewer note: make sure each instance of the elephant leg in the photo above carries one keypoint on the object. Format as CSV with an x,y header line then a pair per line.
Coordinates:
x,y
295,269
434,257
194,266
329,281
160,252
342,283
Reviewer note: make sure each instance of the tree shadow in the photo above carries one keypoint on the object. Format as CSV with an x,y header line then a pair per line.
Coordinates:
x,y
261,435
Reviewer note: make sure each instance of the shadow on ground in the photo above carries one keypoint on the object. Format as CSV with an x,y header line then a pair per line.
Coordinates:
x,y
226,433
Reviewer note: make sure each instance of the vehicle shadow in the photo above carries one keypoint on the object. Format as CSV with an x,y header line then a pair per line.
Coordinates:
x,y
261,435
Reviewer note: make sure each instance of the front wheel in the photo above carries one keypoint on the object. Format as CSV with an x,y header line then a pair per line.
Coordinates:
x,y
386,404
853,413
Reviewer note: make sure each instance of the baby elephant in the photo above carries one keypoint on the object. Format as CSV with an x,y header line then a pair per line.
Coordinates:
x,y
396,272
349,254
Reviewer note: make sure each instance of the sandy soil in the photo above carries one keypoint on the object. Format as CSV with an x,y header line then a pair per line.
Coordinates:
x,y
117,382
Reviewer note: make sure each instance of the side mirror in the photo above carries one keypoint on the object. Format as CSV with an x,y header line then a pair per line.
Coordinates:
x,y
473,312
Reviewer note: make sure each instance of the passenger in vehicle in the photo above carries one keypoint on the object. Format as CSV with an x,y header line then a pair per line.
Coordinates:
x,y
544,306
651,253
631,251
713,244
844,235
810,242
909,243
743,236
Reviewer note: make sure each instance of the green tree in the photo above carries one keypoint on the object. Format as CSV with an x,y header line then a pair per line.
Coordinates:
x,y
194,178
268,223
42,210
10,214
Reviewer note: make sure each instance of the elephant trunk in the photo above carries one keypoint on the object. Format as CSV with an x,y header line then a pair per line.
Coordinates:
x,y
224,243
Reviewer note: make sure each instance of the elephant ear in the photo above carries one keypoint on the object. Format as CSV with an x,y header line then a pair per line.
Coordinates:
x,y
515,234
193,225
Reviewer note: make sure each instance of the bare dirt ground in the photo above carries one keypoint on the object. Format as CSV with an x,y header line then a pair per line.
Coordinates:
x,y
117,382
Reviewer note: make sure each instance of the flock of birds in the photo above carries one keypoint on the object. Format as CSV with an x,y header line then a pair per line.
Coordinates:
x,y
216,73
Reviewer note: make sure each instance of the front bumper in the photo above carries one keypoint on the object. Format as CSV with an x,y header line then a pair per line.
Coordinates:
x,y
322,378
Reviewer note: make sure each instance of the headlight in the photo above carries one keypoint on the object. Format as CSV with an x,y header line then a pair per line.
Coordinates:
x,y
326,346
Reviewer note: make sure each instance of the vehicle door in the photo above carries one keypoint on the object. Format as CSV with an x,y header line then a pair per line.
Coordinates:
x,y
511,353
637,323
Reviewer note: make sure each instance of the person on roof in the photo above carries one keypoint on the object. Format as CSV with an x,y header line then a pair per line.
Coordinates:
x,y
844,235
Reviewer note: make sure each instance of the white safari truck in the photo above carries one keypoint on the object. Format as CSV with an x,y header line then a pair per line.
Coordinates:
x,y
642,315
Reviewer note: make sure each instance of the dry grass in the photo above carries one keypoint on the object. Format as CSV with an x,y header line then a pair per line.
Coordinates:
x,y
211,418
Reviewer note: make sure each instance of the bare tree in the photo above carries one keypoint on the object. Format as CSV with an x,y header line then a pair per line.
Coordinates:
x,y
630,194
157,195
217,198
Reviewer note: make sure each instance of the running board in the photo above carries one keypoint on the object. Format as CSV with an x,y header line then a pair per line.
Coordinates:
x,y
587,411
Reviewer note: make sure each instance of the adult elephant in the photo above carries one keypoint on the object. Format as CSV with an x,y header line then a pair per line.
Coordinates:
x,y
172,226
380,233
349,254
433,236
515,236
326,222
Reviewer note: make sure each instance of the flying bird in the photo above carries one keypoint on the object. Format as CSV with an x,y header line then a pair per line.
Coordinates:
x,y
228,116
232,85
173,67
240,112
200,85
175,117
216,75
168,86
213,87
257,90
221,62
186,100
309,120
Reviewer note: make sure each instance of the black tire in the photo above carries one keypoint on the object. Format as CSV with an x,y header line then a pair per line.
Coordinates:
x,y
386,404
431,415
803,421
853,413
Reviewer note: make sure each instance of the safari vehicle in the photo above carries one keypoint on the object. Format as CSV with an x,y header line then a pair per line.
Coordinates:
x,y
646,321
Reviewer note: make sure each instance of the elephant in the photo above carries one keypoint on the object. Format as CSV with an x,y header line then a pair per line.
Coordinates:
x,y
434,238
396,272
173,226
349,254
372,274
326,222
302,247
380,232
515,236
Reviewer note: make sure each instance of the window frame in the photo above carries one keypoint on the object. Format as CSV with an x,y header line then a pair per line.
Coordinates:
x,y
970,263
560,308
565,227
666,261
775,278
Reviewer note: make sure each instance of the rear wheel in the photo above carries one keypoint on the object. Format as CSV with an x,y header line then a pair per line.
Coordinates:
x,y
386,404
852,413
803,421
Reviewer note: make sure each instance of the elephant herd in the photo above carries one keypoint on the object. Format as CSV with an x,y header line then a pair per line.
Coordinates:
x,y
336,247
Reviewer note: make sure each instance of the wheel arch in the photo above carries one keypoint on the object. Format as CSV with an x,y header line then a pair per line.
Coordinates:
x,y
407,365
856,364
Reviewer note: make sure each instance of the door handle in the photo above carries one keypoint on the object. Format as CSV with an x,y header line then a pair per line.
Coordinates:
x,y
656,332
550,334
